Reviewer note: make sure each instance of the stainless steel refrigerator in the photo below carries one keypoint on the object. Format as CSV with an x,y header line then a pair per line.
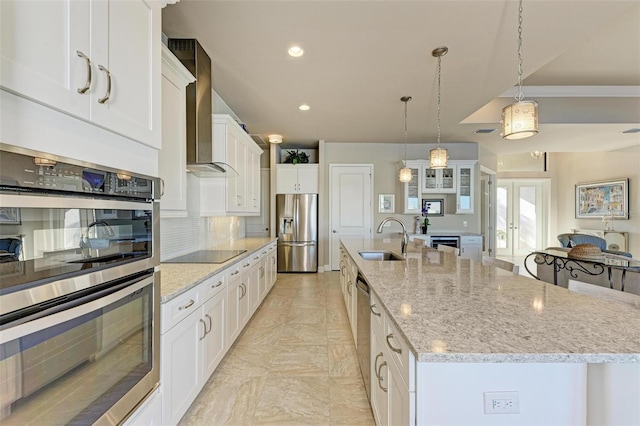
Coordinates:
x,y
297,225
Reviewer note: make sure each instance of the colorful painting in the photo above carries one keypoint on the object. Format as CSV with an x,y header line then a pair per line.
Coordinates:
x,y
603,199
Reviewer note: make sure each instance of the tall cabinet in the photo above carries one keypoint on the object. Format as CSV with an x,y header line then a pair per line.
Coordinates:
x,y
172,158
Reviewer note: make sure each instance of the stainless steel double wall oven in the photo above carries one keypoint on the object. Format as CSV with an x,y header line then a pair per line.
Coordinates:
x,y
79,296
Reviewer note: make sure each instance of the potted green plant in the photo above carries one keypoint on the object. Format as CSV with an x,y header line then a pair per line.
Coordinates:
x,y
296,157
425,225
425,211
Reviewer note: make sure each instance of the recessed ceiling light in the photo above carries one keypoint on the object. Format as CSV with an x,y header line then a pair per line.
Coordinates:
x,y
296,51
275,138
632,131
485,131
304,107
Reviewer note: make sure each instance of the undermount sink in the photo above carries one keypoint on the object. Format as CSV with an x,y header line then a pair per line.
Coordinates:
x,y
379,255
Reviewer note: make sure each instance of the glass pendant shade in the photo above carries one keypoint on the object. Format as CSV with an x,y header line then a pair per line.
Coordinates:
x,y
520,120
438,158
405,175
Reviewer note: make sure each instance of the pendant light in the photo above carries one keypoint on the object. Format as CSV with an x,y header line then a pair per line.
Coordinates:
x,y
520,119
439,156
405,172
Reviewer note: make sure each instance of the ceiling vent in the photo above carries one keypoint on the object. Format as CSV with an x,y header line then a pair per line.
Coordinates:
x,y
259,140
483,131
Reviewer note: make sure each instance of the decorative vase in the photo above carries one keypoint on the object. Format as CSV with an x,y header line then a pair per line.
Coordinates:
x,y
424,229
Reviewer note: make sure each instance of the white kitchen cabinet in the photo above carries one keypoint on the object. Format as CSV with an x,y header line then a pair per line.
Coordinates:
x,y
193,348
199,326
439,181
98,61
39,55
392,371
149,413
413,189
254,285
231,193
180,367
237,158
239,301
272,265
172,158
351,295
213,341
465,188
471,247
296,178
253,181
236,294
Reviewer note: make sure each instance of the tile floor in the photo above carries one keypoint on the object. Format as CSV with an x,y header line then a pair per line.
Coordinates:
x,y
295,363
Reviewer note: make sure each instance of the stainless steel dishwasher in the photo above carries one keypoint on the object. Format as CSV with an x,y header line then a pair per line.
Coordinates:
x,y
363,324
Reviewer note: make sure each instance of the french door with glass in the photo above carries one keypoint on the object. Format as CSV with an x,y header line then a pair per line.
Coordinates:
x,y
520,219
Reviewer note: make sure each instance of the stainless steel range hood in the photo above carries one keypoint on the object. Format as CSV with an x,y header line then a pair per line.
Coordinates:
x,y
200,155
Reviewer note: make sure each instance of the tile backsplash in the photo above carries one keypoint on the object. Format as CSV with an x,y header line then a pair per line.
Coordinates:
x,y
179,236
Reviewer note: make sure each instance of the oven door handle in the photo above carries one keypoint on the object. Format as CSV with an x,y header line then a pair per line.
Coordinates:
x,y
67,310
34,201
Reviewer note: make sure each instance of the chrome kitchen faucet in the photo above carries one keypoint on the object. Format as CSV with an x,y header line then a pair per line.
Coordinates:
x,y
405,236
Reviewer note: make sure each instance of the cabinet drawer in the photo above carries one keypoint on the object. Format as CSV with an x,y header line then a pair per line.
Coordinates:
x,y
213,285
179,308
399,351
475,240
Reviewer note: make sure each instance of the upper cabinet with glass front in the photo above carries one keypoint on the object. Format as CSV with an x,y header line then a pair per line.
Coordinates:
x,y
458,178
412,193
439,181
465,187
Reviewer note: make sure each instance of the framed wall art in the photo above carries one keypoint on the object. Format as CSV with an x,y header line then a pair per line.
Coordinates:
x,y
10,215
603,199
386,203
433,207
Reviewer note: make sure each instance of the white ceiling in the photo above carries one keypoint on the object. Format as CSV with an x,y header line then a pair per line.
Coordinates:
x,y
362,56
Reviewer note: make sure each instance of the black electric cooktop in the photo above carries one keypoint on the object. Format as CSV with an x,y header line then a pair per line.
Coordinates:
x,y
206,256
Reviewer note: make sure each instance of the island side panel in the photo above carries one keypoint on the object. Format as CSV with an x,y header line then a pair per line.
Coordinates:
x,y
613,394
549,393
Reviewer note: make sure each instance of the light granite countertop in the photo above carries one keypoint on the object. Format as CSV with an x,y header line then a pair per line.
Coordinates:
x,y
176,278
452,309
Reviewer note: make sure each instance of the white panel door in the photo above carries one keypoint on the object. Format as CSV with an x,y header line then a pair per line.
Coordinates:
x,y
38,51
520,218
350,203
125,40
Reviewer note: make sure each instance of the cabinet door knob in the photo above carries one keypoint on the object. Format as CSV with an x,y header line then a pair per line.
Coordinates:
x,y
334,231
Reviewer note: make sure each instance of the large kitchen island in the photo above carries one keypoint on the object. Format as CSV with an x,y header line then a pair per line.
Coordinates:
x,y
484,346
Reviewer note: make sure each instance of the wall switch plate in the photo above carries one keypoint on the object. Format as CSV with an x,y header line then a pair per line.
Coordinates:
x,y
464,223
501,403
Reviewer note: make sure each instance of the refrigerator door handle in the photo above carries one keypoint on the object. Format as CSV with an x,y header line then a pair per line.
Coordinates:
x,y
296,215
297,244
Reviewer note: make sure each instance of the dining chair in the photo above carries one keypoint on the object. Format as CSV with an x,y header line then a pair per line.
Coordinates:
x,y
502,264
449,249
